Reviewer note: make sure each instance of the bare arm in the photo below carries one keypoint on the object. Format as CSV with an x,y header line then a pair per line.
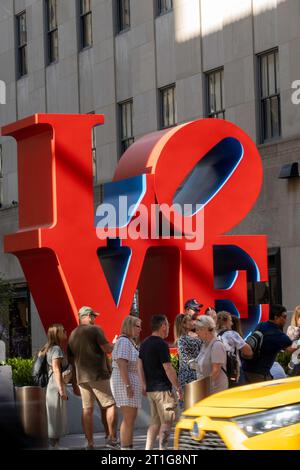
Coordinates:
x,y
247,351
56,367
123,368
107,347
216,370
172,376
291,349
142,376
71,360
102,341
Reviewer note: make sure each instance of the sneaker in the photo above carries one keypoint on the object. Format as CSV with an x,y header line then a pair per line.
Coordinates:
x,y
112,444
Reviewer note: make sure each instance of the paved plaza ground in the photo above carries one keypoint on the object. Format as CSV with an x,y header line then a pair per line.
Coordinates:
x,y
77,441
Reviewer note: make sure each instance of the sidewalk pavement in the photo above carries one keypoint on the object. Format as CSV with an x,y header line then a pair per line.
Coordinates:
x,y
78,442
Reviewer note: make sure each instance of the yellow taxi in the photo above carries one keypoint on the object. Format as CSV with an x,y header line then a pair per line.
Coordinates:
x,y
262,416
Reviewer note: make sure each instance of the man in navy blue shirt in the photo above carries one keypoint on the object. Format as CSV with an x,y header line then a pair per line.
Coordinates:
x,y
274,341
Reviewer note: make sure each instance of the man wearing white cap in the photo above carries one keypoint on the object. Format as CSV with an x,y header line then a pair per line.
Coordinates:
x,y
87,350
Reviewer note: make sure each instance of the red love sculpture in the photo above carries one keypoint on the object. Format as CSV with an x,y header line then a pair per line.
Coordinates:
x,y
210,166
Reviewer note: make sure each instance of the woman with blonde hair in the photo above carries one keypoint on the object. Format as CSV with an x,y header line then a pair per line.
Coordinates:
x,y
56,395
211,361
293,333
125,382
188,347
293,330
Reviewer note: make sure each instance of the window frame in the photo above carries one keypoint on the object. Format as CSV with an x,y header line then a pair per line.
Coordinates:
x,y
1,176
94,151
125,139
269,97
162,9
51,32
22,64
83,24
274,273
161,91
217,112
122,26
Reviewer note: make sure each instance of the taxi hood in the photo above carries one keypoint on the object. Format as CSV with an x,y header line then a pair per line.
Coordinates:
x,y
249,398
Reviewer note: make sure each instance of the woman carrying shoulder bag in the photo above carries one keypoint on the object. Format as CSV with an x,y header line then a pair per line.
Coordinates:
x,y
56,395
211,361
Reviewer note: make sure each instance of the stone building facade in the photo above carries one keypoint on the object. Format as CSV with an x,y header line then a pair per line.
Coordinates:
x,y
148,64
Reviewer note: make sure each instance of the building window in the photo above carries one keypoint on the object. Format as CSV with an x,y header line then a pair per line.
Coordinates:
x,y
168,114
163,6
126,119
94,155
15,323
274,269
22,44
94,152
123,12
135,309
215,94
1,176
269,96
52,31
86,37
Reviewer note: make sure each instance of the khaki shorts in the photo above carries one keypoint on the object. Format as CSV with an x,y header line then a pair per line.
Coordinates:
x,y
100,390
162,407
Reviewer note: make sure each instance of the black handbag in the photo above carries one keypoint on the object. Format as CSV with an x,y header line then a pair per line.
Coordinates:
x,y
295,371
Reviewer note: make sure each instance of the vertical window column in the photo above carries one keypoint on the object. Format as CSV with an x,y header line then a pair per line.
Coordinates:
x,y
1,175
126,124
269,96
86,34
163,6
22,44
94,154
123,15
52,31
168,112
215,94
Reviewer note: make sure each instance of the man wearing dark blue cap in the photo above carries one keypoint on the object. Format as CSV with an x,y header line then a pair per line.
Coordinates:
x,y
192,307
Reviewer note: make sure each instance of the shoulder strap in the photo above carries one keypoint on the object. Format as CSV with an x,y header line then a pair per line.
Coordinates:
x,y
130,340
222,332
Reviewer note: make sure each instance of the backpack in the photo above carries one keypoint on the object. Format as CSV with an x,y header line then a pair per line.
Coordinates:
x,y
255,341
232,364
40,371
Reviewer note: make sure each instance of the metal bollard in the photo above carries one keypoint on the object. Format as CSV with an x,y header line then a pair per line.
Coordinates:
x,y
196,391
31,402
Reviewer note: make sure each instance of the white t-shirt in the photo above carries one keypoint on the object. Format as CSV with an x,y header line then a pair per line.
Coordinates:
x,y
212,353
232,341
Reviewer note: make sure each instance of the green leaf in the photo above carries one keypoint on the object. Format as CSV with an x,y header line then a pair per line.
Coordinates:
x,y
21,371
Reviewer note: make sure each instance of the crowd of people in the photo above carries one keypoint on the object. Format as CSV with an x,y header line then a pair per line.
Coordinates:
x,y
116,375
